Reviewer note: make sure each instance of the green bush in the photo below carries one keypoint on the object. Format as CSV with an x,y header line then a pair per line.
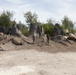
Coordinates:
x,y
48,29
23,29
5,19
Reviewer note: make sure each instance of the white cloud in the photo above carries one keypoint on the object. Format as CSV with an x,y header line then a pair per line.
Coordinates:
x,y
15,1
45,9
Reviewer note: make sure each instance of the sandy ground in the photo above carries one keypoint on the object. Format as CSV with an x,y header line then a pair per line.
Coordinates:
x,y
33,62
29,59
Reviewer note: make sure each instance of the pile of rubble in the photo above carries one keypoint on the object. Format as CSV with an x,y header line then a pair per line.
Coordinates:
x,y
14,40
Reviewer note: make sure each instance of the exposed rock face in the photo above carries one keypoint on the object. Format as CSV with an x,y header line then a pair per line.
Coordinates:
x,y
15,36
58,38
58,30
13,29
17,41
58,34
38,34
2,29
72,36
2,36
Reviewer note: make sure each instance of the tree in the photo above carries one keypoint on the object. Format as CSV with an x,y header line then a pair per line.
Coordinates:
x,y
5,19
30,17
49,21
67,24
49,27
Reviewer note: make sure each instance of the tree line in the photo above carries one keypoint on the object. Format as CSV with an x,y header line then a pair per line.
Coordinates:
x,y
7,22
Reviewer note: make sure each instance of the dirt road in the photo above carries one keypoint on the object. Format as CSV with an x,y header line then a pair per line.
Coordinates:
x,y
33,62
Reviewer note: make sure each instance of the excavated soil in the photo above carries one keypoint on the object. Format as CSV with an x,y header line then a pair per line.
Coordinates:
x,y
30,59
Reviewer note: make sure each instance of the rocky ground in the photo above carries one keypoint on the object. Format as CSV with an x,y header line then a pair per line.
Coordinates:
x,y
29,59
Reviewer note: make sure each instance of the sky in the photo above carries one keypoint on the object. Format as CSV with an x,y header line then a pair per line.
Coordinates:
x,y
45,9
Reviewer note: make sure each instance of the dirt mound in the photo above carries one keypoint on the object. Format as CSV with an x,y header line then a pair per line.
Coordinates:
x,y
10,42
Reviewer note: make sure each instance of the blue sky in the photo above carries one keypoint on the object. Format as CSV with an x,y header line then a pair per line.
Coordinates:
x,y
55,9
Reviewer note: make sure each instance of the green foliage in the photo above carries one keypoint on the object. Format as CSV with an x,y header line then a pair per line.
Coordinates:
x,y
23,29
30,17
67,24
5,19
48,29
